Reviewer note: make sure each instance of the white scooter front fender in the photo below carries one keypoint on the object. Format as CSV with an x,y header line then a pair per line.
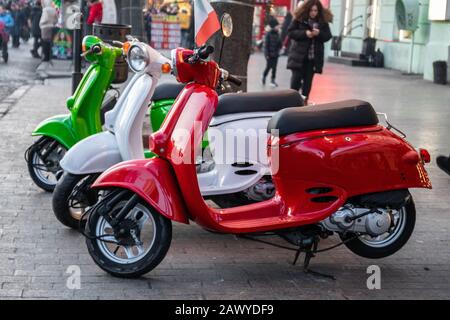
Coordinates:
x,y
94,154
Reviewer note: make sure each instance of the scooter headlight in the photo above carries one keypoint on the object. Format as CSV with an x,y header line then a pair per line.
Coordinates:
x,y
138,58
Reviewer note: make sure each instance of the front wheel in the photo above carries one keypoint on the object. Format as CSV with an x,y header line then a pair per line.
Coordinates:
x,y
72,197
43,159
403,221
135,246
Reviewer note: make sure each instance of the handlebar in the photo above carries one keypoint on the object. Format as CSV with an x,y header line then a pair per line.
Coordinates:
x,y
234,80
201,53
96,49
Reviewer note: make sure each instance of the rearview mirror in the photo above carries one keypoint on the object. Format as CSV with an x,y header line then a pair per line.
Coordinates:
x,y
226,23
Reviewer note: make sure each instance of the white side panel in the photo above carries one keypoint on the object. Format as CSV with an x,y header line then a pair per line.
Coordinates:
x,y
236,138
130,120
111,116
92,155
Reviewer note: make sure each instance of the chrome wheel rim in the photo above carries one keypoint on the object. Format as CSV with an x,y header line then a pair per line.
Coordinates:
x,y
387,238
48,175
120,254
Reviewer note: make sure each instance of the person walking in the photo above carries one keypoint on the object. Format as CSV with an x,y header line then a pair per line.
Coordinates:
x,y
35,17
95,12
17,16
272,47
443,163
47,22
308,32
148,24
6,23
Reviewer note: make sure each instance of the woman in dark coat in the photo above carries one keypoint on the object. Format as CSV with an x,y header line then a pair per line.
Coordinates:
x,y
35,17
308,32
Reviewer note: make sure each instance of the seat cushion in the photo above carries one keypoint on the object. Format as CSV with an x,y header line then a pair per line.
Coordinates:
x,y
347,113
167,91
230,103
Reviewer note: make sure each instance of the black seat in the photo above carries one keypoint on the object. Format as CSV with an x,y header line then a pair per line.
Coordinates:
x,y
230,103
167,91
347,113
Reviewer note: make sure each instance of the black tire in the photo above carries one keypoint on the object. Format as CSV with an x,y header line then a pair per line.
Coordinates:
x,y
60,200
362,249
30,156
161,244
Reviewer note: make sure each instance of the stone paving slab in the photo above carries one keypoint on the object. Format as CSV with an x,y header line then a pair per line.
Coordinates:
x,y
35,250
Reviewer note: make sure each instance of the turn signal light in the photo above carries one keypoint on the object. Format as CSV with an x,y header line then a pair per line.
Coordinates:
x,y
425,155
166,68
83,47
126,46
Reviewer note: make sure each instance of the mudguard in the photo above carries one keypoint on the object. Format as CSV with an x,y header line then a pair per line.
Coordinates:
x,y
153,180
59,128
94,154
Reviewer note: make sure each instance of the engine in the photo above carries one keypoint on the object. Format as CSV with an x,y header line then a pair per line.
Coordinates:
x,y
359,220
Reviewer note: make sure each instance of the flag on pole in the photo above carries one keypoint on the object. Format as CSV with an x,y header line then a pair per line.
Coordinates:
x,y
206,21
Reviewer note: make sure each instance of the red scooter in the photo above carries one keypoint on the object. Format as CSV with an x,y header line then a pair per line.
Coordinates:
x,y
335,169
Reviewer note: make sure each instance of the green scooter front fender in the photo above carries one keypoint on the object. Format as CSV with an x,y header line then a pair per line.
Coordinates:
x,y
59,128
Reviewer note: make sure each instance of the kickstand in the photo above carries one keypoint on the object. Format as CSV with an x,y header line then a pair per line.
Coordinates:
x,y
309,253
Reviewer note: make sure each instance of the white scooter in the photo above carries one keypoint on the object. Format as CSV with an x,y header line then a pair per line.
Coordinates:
x,y
244,178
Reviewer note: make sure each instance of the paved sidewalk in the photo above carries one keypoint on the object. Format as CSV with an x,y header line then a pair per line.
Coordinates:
x,y
35,250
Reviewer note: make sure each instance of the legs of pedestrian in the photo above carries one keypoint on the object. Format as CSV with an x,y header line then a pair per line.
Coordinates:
x,y
15,41
296,79
308,75
443,163
274,71
36,45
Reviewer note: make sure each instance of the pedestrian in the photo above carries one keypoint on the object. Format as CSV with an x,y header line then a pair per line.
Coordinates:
x,y
443,163
272,47
17,16
35,17
284,32
308,32
95,12
148,24
47,22
6,23
25,10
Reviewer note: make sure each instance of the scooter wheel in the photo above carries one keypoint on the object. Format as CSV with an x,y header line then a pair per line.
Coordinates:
x,y
385,245
121,256
44,172
72,197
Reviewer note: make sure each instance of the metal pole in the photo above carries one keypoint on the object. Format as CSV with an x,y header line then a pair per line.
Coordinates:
x,y
76,74
411,54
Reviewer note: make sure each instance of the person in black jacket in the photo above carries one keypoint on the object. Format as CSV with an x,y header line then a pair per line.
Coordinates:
x,y
308,32
272,47
35,17
443,163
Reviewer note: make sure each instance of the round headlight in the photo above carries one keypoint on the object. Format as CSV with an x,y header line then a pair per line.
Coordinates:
x,y
138,58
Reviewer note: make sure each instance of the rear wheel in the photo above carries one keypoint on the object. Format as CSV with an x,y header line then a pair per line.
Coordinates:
x,y
384,245
135,246
43,159
72,197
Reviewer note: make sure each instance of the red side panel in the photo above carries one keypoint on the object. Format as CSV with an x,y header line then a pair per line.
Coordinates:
x,y
153,180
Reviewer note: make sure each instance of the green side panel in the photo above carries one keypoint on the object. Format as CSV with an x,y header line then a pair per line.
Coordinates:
x,y
158,112
148,154
59,128
88,102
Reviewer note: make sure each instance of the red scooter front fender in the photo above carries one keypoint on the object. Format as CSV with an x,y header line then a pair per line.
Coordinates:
x,y
153,180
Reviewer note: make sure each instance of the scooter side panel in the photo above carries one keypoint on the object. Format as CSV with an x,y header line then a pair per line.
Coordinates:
x,y
92,155
128,125
59,128
153,180
318,173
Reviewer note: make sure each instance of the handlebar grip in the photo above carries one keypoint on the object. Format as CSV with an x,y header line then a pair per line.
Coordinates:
x,y
234,80
96,49
205,51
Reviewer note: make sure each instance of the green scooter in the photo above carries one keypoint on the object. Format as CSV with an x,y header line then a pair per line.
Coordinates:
x,y
61,132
